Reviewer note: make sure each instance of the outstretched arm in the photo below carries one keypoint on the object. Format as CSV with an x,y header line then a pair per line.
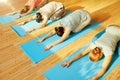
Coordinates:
x,y
67,63
45,20
47,36
24,14
26,21
105,65
12,13
43,24
65,35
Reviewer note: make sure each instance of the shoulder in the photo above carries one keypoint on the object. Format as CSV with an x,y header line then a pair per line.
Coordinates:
x,y
92,45
107,52
113,30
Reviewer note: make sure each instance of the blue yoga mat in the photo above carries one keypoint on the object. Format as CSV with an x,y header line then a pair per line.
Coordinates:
x,y
81,69
35,51
21,30
5,19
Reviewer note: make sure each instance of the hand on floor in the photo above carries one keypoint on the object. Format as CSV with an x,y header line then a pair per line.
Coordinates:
x,y
41,40
48,47
18,17
30,30
93,78
65,64
12,13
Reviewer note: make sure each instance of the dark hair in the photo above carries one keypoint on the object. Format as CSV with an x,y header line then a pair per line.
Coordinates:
x,y
59,30
38,17
26,9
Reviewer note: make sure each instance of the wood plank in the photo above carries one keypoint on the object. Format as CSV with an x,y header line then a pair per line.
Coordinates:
x,y
15,65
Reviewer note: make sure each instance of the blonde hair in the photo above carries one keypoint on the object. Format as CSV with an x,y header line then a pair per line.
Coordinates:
x,y
95,54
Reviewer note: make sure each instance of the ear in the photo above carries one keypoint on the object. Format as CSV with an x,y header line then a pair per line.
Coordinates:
x,y
56,28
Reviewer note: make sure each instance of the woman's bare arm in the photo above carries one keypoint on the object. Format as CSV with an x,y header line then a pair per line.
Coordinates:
x,y
14,12
47,36
67,63
105,65
43,24
28,20
65,35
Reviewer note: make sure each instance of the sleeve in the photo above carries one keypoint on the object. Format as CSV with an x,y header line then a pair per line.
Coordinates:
x,y
69,26
59,24
107,52
92,46
113,30
66,23
45,16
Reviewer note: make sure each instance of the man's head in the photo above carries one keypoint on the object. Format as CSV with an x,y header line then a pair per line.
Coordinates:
x,y
38,17
95,54
25,9
59,30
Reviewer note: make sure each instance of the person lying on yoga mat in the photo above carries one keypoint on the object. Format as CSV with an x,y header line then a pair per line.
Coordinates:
x,y
104,45
53,10
30,6
74,22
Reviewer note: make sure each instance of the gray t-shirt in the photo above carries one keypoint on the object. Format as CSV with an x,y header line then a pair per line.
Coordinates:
x,y
72,21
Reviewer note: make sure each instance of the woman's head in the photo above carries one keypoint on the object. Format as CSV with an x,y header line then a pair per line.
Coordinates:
x,y
95,54
38,17
59,30
25,9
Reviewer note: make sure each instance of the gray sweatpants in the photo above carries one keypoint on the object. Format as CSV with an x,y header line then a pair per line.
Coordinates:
x,y
58,14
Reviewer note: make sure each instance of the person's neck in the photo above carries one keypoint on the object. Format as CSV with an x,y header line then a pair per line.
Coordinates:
x,y
64,27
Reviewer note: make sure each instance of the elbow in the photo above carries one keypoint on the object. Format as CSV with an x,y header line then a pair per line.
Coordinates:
x,y
103,70
62,39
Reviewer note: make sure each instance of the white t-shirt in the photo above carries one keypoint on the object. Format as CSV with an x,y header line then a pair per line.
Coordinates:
x,y
50,8
108,41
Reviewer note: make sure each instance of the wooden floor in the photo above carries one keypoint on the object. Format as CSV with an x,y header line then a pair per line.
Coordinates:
x,y
15,65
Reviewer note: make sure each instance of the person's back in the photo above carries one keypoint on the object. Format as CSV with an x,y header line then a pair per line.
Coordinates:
x,y
35,3
108,40
75,19
29,7
50,8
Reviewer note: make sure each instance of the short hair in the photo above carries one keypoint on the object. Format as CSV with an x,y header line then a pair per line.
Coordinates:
x,y
59,30
38,17
95,54
25,9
